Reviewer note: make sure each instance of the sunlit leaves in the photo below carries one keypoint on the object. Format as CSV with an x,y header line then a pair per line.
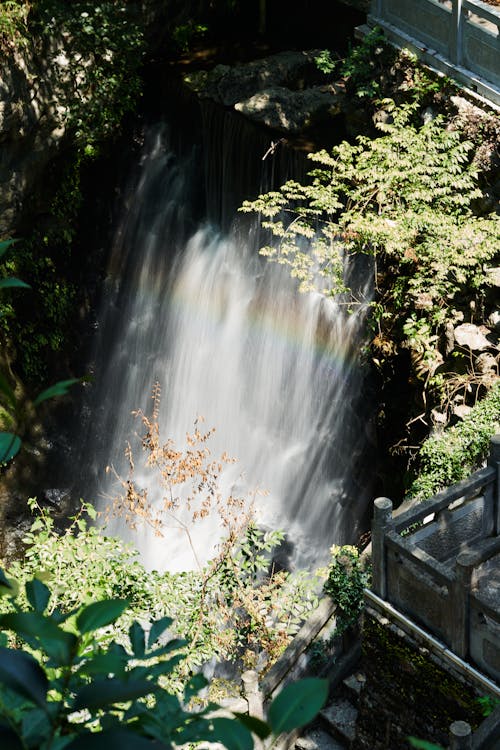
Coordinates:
x,y
75,692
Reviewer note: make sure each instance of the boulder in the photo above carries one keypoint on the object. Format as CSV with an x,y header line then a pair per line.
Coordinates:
x,y
229,84
290,111
472,337
277,91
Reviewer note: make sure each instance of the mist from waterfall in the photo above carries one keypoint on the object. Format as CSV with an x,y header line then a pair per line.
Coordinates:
x,y
228,338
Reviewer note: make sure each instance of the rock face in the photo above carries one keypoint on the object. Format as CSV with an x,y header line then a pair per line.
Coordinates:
x,y
32,124
276,91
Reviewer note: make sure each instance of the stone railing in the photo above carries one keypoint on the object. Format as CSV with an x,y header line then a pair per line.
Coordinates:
x,y
439,563
460,38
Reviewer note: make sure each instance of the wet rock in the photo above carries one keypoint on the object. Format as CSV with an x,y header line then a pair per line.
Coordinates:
x,y
290,111
277,91
228,85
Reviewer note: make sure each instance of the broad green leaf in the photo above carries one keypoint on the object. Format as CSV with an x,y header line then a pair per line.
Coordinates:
x,y
114,739
102,693
38,595
193,687
40,631
12,282
99,614
6,389
256,726
230,733
9,740
137,639
36,727
297,704
111,662
58,389
21,673
423,744
10,445
157,629
4,246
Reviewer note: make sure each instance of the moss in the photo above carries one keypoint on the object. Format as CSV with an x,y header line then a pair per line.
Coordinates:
x,y
410,692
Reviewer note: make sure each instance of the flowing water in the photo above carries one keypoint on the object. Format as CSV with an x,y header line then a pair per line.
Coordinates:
x,y
228,338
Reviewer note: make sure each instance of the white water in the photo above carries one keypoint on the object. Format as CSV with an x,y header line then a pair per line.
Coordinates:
x,y
228,337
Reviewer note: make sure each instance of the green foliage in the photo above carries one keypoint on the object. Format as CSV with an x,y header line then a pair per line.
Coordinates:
x,y
98,82
488,704
185,34
364,64
64,689
13,19
405,199
460,450
233,609
12,406
347,577
325,63
104,56
423,744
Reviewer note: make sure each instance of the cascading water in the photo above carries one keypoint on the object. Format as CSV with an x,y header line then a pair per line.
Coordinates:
x,y
228,337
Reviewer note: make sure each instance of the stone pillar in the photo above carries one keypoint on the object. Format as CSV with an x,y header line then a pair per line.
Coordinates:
x,y
460,736
458,612
382,521
456,31
251,691
494,461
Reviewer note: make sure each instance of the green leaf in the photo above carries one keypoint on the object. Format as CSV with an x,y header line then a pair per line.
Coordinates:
x,y
38,594
114,739
157,629
111,662
137,639
193,687
21,673
10,445
12,282
58,389
40,631
99,614
231,733
102,693
256,726
423,745
297,704
36,727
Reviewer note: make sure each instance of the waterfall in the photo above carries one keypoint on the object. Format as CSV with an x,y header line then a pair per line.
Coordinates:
x,y
229,338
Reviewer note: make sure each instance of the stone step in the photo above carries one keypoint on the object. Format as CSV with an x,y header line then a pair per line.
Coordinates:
x,y
353,686
318,739
339,718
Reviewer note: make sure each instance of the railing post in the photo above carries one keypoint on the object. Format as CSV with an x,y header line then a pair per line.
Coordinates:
x,y
456,31
251,691
494,461
460,736
459,611
382,521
